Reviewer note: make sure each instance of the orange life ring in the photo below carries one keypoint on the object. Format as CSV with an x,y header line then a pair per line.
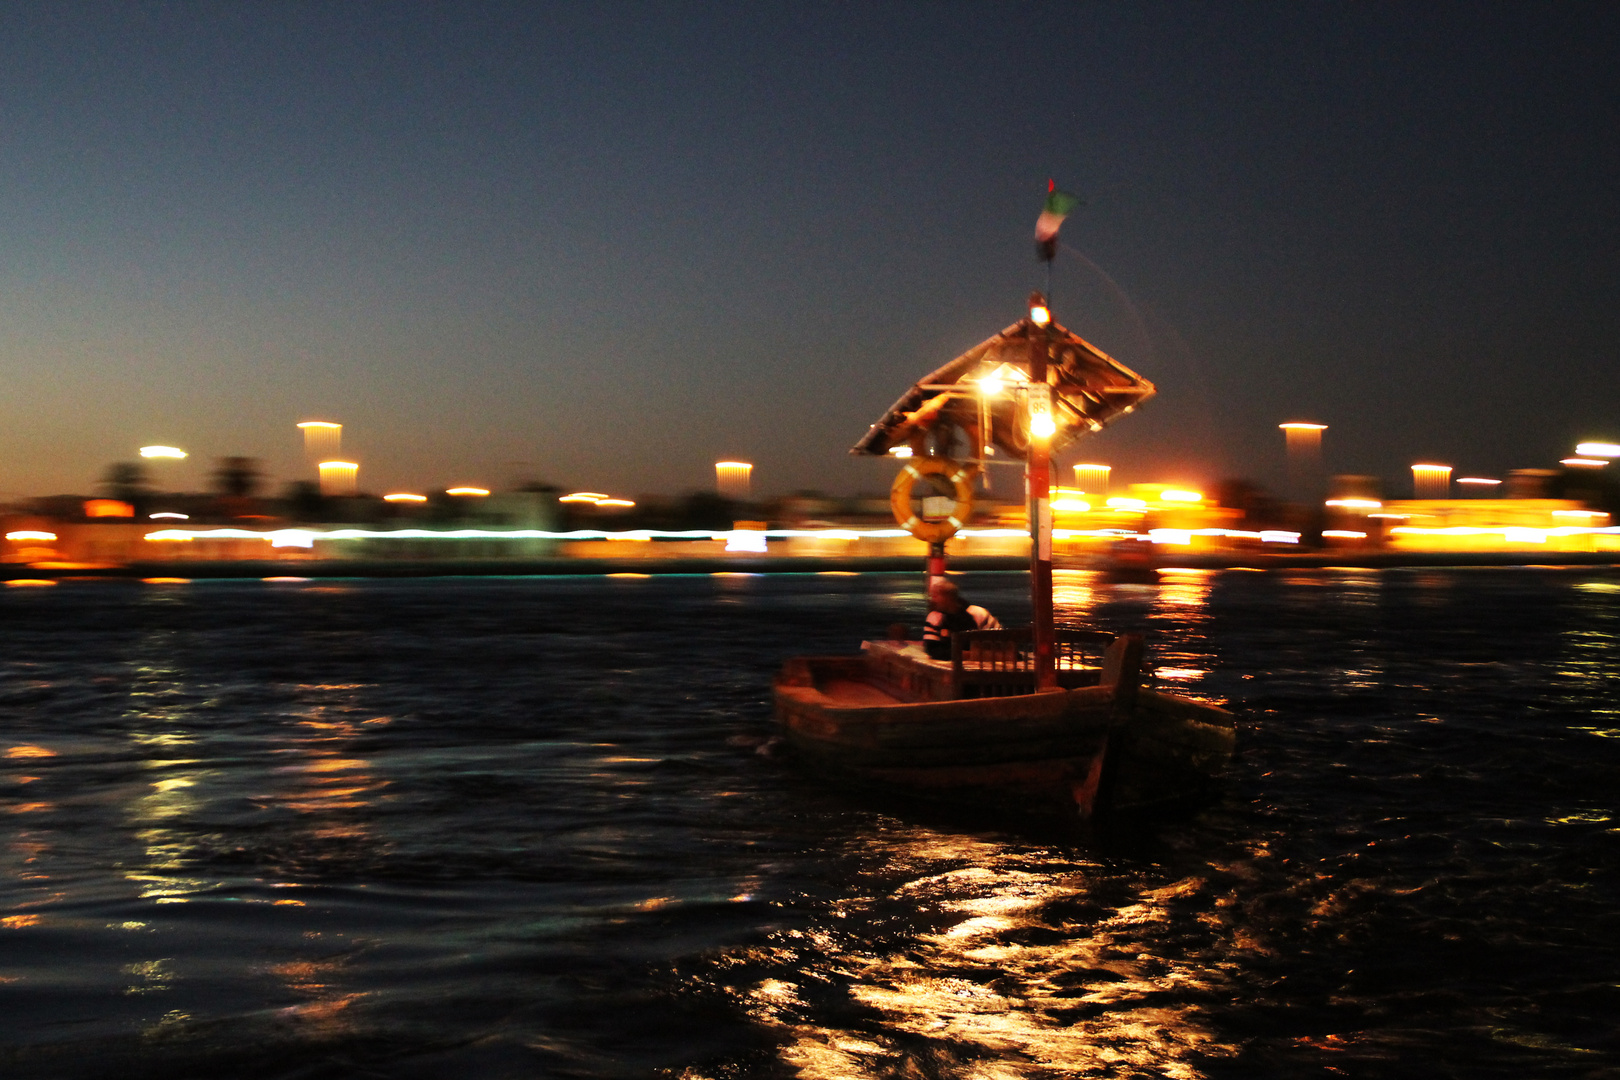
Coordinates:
x,y
959,476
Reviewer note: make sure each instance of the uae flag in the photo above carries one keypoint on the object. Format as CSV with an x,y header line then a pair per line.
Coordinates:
x,y
1058,205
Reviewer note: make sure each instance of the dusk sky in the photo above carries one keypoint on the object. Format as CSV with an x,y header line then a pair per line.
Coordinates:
x,y
605,245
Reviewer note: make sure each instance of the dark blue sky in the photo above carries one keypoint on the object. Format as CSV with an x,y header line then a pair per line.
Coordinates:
x,y
606,245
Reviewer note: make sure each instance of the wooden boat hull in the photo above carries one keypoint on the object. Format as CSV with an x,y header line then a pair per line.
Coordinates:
x,y
1079,751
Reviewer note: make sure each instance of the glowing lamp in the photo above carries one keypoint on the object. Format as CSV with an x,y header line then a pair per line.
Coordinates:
x,y
620,503
990,386
1583,462
404,497
163,452
476,492
1040,411
592,497
1356,504
30,534
169,515
900,451
1598,449
1478,481
1039,313
1297,425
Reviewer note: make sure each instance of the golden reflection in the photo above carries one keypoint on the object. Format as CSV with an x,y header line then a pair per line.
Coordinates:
x,y
1074,595
154,976
27,750
324,1009
1182,652
1012,980
1589,658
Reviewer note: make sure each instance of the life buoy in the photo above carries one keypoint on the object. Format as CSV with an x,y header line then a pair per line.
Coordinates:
x,y
959,476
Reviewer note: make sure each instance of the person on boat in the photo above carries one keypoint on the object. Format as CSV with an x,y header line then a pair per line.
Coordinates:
x,y
949,613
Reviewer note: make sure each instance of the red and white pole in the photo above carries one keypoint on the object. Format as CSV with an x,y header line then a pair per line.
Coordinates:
x,y
1038,493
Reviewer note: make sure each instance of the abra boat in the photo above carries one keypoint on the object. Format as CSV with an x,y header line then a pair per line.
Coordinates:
x,y
1030,720
973,729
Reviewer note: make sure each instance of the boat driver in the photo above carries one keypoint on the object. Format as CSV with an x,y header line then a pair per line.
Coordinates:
x,y
949,613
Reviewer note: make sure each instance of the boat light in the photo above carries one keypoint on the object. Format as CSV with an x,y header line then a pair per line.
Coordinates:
x,y
1039,313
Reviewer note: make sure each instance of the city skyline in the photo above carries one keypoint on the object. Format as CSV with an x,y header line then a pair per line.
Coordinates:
x,y
607,249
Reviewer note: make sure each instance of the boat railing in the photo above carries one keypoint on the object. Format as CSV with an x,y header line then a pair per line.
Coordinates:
x,y
994,663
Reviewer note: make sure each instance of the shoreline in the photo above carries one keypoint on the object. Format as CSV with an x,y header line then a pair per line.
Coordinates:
x,y
780,564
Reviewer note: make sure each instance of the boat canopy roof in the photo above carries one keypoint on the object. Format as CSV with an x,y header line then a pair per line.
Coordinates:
x,y
981,388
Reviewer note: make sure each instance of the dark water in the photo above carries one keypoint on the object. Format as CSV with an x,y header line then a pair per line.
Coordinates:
x,y
519,828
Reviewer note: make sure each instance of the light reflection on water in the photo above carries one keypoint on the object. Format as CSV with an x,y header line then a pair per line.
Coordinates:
x,y
534,828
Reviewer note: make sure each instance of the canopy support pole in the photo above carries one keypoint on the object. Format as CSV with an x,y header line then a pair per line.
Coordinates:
x,y
1038,492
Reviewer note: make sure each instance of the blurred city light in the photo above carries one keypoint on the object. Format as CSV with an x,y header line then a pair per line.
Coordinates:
x,y
1069,502
1598,449
168,515
30,534
163,452
1181,495
321,437
592,497
99,508
1092,478
476,492
1583,462
734,479
1304,441
1431,481
405,497
1483,481
338,477
1355,504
